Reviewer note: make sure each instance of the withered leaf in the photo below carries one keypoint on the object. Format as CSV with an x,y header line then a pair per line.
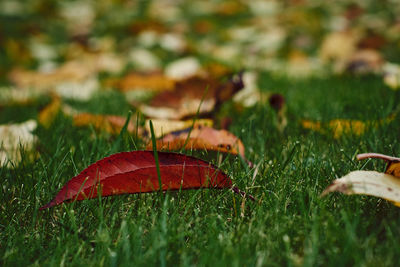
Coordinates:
x,y
190,96
393,163
368,183
202,138
385,185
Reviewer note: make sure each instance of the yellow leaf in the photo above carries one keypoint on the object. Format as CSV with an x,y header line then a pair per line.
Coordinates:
x,y
337,127
340,127
109,123
149,81
49,113
311,125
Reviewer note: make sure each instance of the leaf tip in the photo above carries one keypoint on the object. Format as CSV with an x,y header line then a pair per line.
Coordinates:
x,y
335,187
48,205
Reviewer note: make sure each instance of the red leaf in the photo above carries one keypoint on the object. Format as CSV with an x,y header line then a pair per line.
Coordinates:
x,y
135,172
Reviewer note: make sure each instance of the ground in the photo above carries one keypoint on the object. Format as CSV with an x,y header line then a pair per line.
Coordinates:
x,y
289,223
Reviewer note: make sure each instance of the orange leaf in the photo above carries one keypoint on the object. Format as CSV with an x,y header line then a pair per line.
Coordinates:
x,y
202,137
393,163
147,81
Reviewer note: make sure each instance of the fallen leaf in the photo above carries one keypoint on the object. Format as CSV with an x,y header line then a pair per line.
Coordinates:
x,y
365,61
391,75
49,113
146,81
203,138
19,96
81,91
110,123
14,137
144,60
139,26
300,65
385,185
339,47
393,163
183,68
250,95
337,127
173,42
368,183
136,172
191,96
373,41
73,71
76,79
162,127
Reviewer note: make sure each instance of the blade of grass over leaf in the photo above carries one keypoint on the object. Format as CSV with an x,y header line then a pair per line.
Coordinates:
x,y
195,118
117,142
153,140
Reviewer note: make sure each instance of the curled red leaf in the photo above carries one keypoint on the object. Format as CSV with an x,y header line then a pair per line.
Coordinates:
x,y
135,172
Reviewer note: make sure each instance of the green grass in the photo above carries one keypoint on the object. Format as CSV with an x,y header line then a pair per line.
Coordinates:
x,y
288,225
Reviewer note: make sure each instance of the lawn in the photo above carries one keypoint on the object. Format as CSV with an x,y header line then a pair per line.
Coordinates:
x,y
289,223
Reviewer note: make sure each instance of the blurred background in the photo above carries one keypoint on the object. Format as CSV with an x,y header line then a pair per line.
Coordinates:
x,y
298,38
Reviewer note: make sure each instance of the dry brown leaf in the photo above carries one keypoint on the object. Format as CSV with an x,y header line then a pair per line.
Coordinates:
x,y
365,61
109,123
385,185
162,127
191,96
202,137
